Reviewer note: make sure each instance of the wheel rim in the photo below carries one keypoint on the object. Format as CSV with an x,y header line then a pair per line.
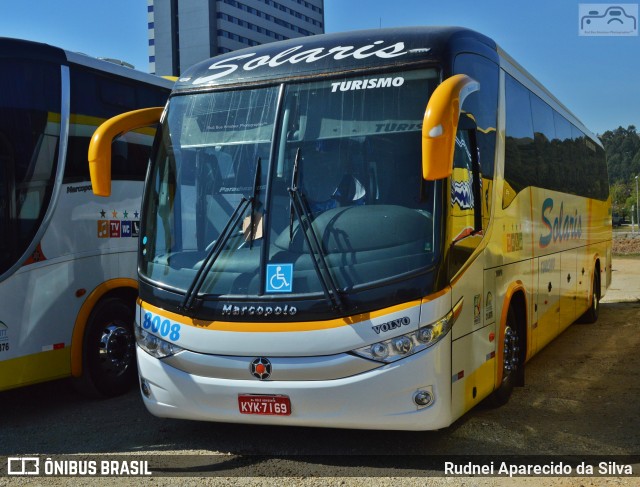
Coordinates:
x,y
116,349
511,353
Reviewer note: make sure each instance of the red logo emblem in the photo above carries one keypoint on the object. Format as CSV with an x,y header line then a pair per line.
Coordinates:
x,y
260,368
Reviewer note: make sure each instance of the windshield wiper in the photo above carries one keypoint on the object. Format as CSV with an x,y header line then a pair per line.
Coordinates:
x,y
294,186
298,204
254,198
216,249
212,255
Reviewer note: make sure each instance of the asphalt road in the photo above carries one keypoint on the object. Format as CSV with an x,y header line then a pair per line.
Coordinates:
x,y
581,399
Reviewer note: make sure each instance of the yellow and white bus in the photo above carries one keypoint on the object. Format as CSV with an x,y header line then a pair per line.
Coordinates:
x,y
374,229
67,258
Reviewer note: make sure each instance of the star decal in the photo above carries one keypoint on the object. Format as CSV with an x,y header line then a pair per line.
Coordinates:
x,y
135,214
115,214
126,215
102,214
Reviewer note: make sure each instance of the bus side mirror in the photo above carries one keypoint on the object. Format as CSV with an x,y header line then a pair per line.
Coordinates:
x,y
440,125
100,146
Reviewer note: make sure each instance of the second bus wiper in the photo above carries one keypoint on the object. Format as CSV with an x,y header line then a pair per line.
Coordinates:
x,y
216,249
212,255
318,259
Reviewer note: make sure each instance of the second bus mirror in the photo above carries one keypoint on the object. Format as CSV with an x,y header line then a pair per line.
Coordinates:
x,y
100,146
440,125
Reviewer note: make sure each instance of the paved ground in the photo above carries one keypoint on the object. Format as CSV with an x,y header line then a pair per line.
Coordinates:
x,y
625,282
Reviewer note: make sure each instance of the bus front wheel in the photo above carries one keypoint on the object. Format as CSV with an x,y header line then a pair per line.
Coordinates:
x,y
511,363
108,352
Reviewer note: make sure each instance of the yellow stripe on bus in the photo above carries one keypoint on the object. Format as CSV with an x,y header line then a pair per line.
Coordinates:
x,y
38,367
479,384
95,122
268,327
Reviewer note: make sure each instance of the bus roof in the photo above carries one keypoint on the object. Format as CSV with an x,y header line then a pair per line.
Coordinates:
x,y
330,53
24,49
349,52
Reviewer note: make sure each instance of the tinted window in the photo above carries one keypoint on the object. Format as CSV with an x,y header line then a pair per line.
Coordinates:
x,y
462,195
593,175
543,133
95,98
483,104
129,154
520,152
558,156
29,133
351,147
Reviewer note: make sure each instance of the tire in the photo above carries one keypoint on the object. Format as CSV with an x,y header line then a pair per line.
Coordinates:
x,y
512,366
591,315
108,350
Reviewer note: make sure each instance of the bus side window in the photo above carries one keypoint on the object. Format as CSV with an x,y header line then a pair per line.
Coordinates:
x,y
484,106
100,97
520,154
466,191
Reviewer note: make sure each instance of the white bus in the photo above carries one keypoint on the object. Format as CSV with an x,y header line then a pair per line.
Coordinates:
x,y
374,229
68,259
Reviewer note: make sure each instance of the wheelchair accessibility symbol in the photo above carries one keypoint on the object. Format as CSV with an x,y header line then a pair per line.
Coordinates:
x,y
279,278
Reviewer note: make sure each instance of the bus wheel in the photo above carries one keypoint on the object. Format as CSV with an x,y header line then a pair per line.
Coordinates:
x,y
591,315
511,363
108,353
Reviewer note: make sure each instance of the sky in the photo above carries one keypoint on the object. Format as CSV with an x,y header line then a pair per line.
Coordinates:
x,y
597,78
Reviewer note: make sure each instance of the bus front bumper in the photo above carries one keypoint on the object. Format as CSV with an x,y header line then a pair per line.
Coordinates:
x,y
379,399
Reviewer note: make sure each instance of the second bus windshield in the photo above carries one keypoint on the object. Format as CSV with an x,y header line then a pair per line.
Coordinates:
x,y
357,143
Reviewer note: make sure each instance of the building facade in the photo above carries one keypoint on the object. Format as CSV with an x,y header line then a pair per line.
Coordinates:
x,y
184,32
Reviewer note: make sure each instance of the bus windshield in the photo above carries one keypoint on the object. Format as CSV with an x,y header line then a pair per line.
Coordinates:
x,y
351,147
29,134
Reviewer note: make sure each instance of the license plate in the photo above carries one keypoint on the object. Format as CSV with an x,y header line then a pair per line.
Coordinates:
x,y
264,405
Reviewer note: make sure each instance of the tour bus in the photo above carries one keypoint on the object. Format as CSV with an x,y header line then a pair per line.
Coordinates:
x,y
68,280
374,229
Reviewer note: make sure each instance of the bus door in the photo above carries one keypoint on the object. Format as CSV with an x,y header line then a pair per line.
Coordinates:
x,y
472,367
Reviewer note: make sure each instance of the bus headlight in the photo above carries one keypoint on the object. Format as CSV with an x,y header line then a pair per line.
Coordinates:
x,y
154,346
379,351
411,343
403,345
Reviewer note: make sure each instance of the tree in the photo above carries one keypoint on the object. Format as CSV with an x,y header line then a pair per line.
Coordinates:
x,y
619,194
622,147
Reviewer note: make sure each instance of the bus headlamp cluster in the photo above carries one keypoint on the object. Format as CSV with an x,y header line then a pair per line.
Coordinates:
x,y
154,346
408,344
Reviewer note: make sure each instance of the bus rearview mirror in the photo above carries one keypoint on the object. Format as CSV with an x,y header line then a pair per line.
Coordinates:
x,y
100,146
440,125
